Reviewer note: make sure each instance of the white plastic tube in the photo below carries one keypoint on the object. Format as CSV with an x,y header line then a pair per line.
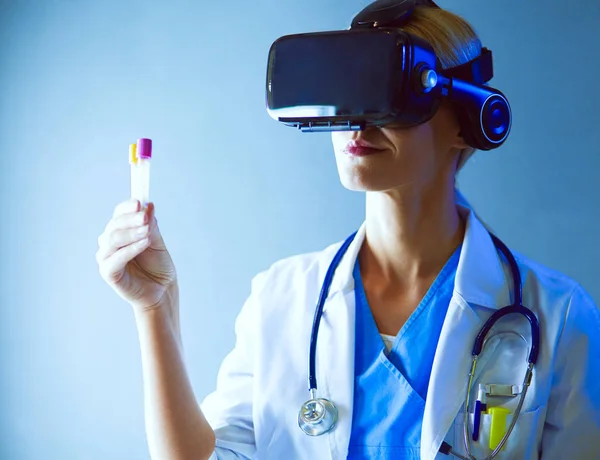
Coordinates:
x,y
139,161
143,181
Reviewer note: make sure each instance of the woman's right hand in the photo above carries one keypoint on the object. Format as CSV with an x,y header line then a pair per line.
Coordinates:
x,y
132,257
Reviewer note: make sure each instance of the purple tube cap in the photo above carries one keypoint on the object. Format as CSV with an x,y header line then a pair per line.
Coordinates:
x,y
144,148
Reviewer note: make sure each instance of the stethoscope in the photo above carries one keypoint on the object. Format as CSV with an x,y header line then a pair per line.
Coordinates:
x,y
319,416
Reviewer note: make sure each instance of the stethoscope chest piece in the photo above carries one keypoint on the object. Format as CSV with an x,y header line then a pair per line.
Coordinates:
x,y
317,416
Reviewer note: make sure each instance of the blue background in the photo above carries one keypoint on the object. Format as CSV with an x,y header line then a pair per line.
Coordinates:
x,y
234,190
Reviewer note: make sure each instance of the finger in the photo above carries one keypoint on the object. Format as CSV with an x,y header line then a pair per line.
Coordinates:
x,y
128,220
122,222
111,242
113,238
125,207
112,268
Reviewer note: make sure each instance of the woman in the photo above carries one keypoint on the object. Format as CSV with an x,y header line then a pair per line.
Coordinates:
x,y
407,300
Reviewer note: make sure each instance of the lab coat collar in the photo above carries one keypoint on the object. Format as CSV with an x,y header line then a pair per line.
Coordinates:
x,y
343,278
481,278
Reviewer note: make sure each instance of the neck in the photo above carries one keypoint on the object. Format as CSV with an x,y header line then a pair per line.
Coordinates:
x,y
409,238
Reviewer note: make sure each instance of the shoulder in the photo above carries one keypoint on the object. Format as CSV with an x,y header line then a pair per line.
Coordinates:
x,y
561,298
538,275
294,271
285,294
548,279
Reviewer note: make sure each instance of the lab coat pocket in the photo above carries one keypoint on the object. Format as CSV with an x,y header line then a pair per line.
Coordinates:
x,y
523,442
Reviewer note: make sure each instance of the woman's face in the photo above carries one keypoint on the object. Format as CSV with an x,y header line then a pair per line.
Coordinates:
x,y
401,157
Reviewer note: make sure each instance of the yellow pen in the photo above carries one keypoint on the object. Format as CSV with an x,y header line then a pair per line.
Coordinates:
x,y
132,169
498,425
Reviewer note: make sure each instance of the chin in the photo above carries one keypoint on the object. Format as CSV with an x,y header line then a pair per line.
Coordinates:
x,y
360,183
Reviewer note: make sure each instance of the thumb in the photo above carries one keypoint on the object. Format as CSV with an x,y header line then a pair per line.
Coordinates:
x,y
156,240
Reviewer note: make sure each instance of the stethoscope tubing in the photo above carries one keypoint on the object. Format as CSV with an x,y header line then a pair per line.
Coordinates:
x,y
479,343
312,379
516,307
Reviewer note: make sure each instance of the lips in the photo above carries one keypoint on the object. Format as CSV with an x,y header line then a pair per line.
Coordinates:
x,y
361,147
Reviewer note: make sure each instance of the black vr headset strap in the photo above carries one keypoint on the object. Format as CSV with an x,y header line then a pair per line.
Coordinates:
x,y
479,71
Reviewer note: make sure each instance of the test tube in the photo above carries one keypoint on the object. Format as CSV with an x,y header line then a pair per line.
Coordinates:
x,y
144,154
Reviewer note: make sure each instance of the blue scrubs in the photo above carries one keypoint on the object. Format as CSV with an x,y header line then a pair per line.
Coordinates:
x,y
390,389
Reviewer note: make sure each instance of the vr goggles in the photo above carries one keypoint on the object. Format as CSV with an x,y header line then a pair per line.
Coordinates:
x,y
376,74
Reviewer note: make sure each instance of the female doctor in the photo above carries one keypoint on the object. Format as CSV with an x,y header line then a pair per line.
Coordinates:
x,y
393,358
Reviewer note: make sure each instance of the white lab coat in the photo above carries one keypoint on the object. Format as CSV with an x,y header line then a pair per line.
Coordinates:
x,y
264,380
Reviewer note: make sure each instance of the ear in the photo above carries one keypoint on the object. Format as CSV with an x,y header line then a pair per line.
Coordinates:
x,y
452,128
459,142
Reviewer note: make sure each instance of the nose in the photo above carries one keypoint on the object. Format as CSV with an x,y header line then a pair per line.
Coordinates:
x,y
365,132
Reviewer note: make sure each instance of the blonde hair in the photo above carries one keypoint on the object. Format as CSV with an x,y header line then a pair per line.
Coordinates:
x,y
454,41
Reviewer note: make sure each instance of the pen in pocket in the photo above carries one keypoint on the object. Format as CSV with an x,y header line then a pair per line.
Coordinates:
x,y
480,408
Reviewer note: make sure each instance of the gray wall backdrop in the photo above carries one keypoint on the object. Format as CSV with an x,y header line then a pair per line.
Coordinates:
x,y
234,190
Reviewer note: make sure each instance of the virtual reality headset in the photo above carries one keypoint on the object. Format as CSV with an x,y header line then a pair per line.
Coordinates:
x,y
376,74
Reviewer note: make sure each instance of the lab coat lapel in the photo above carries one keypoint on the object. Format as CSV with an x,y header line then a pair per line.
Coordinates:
x,y
336,366
480,287
335,350
449,373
